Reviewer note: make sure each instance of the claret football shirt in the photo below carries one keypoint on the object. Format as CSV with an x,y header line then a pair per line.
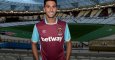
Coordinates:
x,y
51,38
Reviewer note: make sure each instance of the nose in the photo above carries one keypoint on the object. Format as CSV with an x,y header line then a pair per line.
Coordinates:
x,y
51,9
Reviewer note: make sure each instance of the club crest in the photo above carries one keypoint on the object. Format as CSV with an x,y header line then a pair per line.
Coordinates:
x,y
60,32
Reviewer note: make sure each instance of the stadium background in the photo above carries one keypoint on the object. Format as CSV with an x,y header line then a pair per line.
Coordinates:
x,y
91,23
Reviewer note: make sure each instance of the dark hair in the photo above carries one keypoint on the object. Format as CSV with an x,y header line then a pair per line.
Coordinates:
x,y
50,0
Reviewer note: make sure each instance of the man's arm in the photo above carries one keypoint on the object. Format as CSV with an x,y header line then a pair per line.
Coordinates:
x,y
35,51
34,41
69,48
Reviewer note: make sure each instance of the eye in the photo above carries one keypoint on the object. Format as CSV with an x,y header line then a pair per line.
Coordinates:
x,y
54,6
47,6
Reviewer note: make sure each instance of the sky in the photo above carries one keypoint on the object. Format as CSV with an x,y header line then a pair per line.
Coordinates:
x,y
25,1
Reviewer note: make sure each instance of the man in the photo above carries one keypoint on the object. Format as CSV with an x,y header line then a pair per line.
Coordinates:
x,y
51,33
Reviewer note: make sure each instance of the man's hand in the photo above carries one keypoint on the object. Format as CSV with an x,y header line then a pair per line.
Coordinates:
x,y
35,51
69,48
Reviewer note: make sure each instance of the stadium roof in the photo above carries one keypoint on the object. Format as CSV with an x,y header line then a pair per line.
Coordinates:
x,y
37,5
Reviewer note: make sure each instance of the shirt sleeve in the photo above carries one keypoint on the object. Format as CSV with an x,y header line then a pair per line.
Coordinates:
x,y
35,35
67,35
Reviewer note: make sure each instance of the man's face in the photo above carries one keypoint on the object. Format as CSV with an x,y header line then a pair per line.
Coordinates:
x,y
50,9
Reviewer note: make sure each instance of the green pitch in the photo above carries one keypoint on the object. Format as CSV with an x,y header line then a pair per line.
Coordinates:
x,y
76,30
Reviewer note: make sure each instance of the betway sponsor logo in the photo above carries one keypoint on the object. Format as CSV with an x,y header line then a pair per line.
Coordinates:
x,y
50,39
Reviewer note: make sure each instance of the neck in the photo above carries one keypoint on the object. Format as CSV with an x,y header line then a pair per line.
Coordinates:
x,y
51,20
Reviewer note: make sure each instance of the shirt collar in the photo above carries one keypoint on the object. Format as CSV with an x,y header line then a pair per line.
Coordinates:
x,y
50,23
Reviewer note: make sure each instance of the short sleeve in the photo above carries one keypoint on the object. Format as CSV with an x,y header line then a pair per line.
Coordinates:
x,y
35,35
67,35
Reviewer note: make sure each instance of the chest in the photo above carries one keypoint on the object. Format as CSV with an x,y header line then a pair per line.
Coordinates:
x,y
51,30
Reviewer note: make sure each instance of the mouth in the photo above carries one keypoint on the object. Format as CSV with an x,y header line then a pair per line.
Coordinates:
x,y
52,13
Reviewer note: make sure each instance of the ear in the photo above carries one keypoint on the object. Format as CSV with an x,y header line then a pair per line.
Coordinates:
x,y
57,7
44,9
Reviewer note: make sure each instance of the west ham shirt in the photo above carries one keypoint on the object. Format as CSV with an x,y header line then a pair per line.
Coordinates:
x,y
51,38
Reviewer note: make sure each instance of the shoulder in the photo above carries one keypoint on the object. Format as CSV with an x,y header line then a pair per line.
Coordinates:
x,y
61,22
40,23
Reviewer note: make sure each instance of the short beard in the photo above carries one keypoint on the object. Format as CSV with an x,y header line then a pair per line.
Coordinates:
x,y
52,16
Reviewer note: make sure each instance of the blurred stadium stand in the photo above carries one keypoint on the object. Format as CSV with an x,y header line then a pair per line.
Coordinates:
x,y
86,12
